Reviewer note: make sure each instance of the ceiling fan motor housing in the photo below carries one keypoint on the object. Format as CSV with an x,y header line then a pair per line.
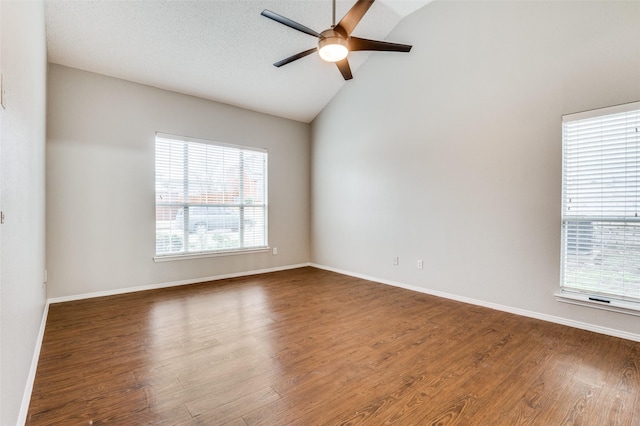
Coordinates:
x,y
333,45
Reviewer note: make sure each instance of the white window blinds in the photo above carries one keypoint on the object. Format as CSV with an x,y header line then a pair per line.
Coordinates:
x,y
210,197
600,205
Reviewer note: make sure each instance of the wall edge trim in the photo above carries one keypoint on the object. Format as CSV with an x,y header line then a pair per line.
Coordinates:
x,y
28,388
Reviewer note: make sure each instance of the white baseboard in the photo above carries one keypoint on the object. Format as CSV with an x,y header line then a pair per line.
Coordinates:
x,y
172,284
498,307
28,389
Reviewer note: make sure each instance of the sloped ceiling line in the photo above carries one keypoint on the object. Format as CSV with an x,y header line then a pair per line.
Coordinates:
x,y
217,50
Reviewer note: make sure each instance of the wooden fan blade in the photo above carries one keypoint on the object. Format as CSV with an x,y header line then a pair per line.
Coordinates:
x,y
348,23
356,43
345,69
289,23
295,57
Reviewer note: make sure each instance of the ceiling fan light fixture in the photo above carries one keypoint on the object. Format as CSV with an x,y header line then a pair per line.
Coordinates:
x,y
335,43
333,48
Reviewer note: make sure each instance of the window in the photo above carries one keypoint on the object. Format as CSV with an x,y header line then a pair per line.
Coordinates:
x,y
210,197
600,206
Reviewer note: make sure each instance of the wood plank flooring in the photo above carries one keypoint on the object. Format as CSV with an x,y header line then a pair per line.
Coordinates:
x,y
311,347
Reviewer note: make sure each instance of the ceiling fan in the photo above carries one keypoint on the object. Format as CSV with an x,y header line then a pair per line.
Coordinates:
x,y
336,42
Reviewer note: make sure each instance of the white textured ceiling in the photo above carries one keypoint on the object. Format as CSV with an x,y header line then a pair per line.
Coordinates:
x,y
221,50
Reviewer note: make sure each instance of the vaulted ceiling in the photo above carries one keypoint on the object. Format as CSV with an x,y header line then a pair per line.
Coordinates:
x,y
222,50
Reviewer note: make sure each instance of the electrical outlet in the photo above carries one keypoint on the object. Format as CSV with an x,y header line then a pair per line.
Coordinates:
x,y
274,251
420,264
396,261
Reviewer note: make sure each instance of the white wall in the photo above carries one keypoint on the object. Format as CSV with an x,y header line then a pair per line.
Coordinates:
x,y
452,153
23,63
100,182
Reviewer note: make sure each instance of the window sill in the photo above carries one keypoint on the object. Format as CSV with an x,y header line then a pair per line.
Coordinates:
x,y
202,255
620,306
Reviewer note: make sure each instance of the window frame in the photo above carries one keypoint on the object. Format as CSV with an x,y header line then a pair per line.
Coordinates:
x,y
597,296
185,203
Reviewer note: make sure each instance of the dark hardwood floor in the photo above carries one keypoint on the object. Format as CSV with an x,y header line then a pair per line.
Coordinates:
x,y
309,347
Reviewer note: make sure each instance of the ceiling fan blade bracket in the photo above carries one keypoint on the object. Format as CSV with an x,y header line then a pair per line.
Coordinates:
x,y
349,22
345,69
294,57
356,43
341,31
289,23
